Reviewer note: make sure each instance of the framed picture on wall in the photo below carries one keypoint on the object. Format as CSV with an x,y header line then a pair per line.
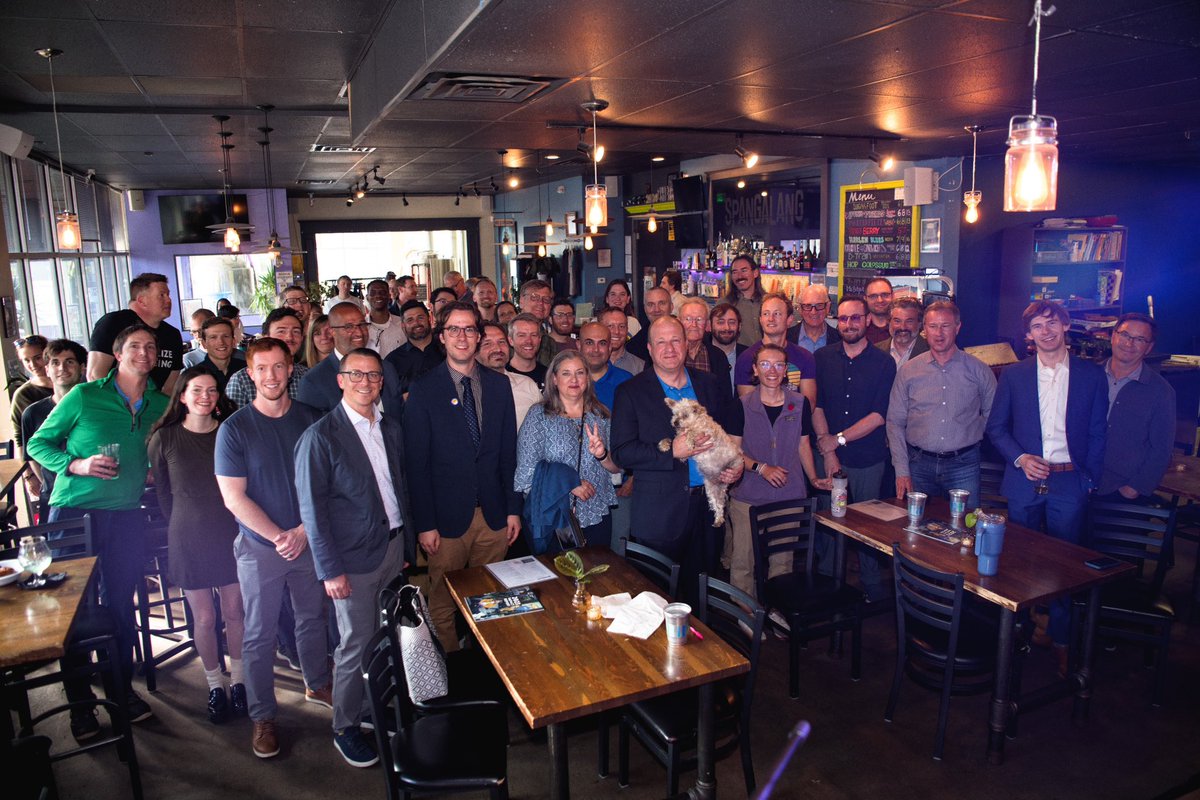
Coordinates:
x,y
931,236
604,258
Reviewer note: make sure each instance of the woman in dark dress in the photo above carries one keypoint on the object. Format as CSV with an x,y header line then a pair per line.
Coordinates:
x,y
201,530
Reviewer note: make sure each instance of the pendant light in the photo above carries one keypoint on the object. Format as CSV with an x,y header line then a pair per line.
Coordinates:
x,y
587,242
652,224
66,221
1031,163
230,231
274,246
972,198
595,203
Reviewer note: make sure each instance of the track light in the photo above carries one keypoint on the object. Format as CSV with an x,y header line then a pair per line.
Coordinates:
x,y
360,191
884,161
475,189
404,198
349,202
375,175
495,188
458,198
749,159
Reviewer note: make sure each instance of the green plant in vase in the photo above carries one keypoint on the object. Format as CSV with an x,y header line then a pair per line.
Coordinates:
x,y
571,565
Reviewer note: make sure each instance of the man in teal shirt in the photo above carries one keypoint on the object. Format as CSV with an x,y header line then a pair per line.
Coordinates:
x,y
119,409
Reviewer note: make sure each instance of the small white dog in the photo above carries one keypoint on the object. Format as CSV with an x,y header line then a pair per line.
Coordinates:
x,y
690,418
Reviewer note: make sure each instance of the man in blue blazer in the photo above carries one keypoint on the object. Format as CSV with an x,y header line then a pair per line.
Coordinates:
x,y
460,467
354,504
319,386
1048,422
670,511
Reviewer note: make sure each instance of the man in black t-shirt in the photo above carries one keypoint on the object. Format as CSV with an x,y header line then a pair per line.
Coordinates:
x,y
149,304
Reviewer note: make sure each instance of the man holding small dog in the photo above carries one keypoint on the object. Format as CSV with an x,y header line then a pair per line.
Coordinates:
x,y
670,512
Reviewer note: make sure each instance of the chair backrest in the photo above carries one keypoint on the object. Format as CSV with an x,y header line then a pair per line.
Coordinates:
x,y
68,538
991,475
653,564
721,607
787,527
927,596
387,695
1142,535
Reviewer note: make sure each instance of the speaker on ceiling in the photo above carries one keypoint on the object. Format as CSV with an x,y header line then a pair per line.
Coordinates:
x,y
135,199
15,143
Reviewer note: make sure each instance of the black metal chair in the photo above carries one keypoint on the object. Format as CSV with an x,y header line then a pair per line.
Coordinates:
x,y
457,747
814,605
666,726
654,565
1136,608
94,632
934,646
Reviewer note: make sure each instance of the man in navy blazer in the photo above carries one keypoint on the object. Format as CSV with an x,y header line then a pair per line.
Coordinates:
x,y
670,511
460,470
354,504
1048,422
319,386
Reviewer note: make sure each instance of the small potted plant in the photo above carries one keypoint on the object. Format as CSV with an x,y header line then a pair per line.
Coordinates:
x,y
571,565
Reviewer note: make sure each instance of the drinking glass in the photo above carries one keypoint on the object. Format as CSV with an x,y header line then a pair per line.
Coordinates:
x,y
112,451
916,507
34,556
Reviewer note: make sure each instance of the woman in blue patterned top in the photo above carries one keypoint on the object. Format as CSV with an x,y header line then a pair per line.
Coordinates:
x,y
571,427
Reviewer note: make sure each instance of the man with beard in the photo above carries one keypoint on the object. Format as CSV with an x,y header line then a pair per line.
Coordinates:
x,y
813,331
746,293
618,337
284,325
854,381
879,303
562,325
525,336
387,331
494,354
594,347
319,388
658,304
905,324
725,327
403,290
485,296
296,298
774,316
420,353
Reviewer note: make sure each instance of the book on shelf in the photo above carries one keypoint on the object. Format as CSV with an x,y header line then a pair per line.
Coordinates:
x,y
508,603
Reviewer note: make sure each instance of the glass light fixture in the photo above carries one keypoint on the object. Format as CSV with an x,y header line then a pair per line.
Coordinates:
x,y
1031,163
549,227
66,221
973,198
541,250
233,240
652,225
593,229
513,182
67,228
595,195
230,231
587,242
504,244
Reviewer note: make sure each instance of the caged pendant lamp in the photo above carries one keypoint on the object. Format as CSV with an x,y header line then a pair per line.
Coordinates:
x,y
1031,163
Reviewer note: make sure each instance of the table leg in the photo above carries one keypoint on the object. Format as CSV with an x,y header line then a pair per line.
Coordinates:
x,y
706,736
1001,705
560,784
1083,695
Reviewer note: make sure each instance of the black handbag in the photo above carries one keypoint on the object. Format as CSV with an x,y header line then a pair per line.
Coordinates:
x,y
571,535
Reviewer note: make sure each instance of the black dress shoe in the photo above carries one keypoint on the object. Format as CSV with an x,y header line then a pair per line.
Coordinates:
x,y
237,700
218,706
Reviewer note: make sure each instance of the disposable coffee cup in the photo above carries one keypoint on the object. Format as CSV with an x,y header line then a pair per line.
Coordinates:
x,y
677,616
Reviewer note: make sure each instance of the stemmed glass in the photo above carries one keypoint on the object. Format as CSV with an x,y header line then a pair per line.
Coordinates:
x,y
34,556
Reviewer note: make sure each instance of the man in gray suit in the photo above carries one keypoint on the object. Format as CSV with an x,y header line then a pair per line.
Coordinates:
x,y
354,503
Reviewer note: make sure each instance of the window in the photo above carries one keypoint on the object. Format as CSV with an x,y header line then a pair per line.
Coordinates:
x,y
203,280
31,191
93,291
43,283
21,296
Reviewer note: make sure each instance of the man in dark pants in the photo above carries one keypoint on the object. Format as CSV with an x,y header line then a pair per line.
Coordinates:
x,y
1048,422
354,503
670,511
118,409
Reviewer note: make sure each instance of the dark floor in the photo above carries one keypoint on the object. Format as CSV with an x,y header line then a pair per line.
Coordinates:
x,y
1125,750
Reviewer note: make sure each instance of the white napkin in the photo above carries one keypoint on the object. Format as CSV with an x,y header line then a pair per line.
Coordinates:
x,y
609,604
640,617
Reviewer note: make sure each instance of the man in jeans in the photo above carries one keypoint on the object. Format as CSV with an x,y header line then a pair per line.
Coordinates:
x,y
937,412
116,410
255,469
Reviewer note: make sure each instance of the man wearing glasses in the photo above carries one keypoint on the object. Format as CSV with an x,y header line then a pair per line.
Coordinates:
x,y
296,298
879,303
536,297
354,503
813,332
460,441
1141,415
562,325
701,354
319,388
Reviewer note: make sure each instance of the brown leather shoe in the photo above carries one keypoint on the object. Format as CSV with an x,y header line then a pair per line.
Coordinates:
x,y
322,697
264,742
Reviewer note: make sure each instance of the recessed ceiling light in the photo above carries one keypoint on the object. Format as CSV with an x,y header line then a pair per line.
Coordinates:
x,y
657,159
552,157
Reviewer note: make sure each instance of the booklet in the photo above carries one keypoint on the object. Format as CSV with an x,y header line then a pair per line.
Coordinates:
x,y
879,510
936,529
520,572
508,603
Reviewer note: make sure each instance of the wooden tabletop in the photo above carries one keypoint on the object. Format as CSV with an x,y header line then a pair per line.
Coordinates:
x,y
10,470
558,666
1033,566
34,624
1182,478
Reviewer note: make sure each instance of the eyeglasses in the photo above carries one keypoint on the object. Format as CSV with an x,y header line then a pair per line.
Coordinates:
x,y
1140,341
533,298
879,295
768,365
851,318
456,330
564,315
362,326
814,306
294,302
693,320
356,376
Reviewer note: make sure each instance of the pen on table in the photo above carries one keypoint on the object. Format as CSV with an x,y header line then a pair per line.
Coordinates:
x,y
696,633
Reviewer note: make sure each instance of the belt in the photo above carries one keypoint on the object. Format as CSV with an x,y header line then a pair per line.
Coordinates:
x,y
394,532
1065,466
946,454
696,489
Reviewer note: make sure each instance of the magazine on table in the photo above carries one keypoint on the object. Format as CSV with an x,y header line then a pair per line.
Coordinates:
x,y
508,603
936,529
520,572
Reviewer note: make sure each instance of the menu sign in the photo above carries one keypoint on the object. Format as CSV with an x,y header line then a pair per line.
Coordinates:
x,y
878,230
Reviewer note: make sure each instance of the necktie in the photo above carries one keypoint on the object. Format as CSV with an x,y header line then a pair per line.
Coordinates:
x,y
468,401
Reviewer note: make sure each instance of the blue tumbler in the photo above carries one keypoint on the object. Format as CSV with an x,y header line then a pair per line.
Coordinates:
x,y
989,541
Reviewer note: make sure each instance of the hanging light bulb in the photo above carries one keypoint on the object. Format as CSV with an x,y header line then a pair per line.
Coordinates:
x,y
512,181
67,221
595,203
972,198
549,227
504,244
587,243
233,240
652,225
68,231
593,229
1031,163
542,250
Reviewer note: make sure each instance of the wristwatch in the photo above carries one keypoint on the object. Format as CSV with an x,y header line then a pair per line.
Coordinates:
x,y
841,438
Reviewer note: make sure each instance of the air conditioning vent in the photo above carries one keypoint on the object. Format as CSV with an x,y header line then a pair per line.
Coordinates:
x,y
480,88
339,149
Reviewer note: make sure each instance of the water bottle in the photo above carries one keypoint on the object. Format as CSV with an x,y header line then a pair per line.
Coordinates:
x,y
840,494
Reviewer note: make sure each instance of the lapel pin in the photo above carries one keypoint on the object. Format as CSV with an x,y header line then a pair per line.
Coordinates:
x,y
454,402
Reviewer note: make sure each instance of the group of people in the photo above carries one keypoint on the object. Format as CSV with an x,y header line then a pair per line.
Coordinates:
x,y
296,476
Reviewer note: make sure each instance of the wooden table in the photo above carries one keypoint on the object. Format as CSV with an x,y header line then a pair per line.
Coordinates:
x,y
1033,567
1182,478
11,470
558,666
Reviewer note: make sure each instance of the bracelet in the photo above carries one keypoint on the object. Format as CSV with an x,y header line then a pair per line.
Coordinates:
x,y
601,458
759,468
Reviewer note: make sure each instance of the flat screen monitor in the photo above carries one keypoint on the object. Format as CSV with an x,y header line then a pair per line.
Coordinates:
x,y
185,217
689,231
690,194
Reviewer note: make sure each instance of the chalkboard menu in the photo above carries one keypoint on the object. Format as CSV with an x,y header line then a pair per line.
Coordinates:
x,y
879,232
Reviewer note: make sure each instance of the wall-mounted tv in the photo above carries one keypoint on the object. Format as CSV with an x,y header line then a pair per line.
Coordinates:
x,y
185,217
690,194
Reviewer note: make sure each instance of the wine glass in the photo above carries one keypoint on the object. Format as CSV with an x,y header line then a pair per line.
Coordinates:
x,y
34,556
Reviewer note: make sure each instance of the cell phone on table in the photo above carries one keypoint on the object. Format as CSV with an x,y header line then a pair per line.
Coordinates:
x,y
1103,562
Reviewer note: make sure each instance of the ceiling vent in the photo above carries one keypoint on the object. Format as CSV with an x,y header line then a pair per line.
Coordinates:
x,y
340,149
480,88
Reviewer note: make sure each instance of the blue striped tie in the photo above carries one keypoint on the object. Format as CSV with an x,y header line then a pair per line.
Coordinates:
x,y
468,401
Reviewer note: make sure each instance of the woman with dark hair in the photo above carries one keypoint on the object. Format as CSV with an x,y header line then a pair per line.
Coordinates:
x,y
32,350
505,311
617,295
318,342
201,530
570,426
